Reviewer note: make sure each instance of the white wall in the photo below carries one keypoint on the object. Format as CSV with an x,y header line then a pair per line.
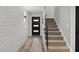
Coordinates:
x,y
27,20
13,30
72,40
36,15
49,11
64,16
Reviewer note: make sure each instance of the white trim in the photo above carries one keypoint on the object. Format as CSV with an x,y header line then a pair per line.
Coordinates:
x,y
65,39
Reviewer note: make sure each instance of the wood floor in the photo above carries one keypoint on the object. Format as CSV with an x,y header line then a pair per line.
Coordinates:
x,y
33,44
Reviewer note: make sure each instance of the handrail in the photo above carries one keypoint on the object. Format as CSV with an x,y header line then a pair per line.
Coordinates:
x,y
46,31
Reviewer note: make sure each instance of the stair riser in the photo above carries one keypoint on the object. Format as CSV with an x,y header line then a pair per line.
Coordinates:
x,y
50,19
58,50
54,33
52,26
51,22
53,29
56,43
55,38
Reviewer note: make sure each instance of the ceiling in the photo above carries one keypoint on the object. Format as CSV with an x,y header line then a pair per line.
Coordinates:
x,y
34,9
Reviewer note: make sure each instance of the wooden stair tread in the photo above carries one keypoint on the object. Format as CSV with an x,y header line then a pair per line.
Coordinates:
x,y
56,41
52,27
53,31
57,47
54,36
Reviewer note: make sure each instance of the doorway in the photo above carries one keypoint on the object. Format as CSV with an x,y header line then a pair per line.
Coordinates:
x,y
35,25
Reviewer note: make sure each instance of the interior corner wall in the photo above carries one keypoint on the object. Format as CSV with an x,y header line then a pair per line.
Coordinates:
x,y
36,15
49,11
64,16
13,28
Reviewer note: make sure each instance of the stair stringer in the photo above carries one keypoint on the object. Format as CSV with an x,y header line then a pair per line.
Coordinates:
x,y
62,34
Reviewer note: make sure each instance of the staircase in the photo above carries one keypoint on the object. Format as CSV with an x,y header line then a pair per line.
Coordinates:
x,y
55,39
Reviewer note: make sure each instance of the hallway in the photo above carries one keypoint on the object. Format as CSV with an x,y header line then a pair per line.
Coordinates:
x,y
19,26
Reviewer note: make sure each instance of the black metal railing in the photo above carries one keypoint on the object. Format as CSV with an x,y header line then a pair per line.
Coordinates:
x,y
46,32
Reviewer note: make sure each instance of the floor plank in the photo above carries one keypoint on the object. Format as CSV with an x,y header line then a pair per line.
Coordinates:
x,y
36,45
33,44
